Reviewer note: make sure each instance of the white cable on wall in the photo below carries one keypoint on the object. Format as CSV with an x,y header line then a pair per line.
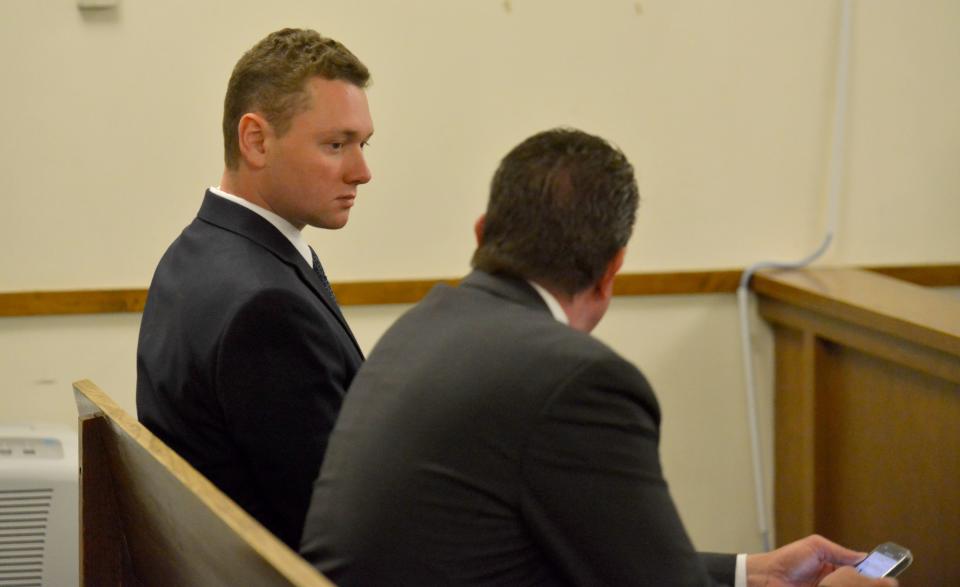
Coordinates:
x,y
835,175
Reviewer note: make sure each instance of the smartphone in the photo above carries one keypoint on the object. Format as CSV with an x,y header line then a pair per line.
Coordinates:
x,y
886,560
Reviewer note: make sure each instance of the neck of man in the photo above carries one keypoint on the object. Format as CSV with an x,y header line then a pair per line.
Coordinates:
x,y
241,183
584,309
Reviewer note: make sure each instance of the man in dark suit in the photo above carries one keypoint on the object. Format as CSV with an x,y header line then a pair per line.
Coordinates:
x,y
490,440
244,356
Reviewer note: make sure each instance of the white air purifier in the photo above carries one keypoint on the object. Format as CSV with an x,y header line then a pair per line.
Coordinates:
x,y
39,506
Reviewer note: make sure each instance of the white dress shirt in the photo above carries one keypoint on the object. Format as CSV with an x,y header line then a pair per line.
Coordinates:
x,y
286,229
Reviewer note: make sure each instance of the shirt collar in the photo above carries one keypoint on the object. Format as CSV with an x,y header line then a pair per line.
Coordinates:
x,y
286,229
555,308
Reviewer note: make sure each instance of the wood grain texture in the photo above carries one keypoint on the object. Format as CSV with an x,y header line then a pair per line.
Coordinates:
x,y
176,527
102,551
43,303
865,338
889,458
868,374
677,282
794,419
929,275
881,303
358,293
365,293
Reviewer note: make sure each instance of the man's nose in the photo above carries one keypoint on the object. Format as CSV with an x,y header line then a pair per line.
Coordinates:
x,y
358,172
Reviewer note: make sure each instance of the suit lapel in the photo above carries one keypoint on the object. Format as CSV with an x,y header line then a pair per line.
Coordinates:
x,y
237,219
309,276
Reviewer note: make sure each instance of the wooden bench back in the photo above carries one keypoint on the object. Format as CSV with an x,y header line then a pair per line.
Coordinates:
x,y
149,518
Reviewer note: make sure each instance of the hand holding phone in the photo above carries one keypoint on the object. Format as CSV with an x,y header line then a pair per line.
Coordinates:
x,y
887,560
849,577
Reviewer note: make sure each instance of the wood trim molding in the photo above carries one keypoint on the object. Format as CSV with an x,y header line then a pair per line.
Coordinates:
x,y
927,275
42,303
677,282
354,293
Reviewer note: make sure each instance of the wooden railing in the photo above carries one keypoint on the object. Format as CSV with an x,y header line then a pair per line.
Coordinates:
x,y
867,414
352,293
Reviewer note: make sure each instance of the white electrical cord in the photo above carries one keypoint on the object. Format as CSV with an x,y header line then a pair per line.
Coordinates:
x,y
743,291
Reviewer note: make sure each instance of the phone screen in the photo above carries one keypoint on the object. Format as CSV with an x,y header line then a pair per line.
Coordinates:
x,y
876,565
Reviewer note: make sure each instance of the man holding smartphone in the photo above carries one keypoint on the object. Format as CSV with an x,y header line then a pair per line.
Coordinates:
x,y
490,440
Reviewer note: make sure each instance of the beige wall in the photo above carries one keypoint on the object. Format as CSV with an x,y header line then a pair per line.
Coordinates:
x,y
111,131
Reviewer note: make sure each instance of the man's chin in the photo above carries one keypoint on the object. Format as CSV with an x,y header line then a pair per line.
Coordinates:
x,y
335,222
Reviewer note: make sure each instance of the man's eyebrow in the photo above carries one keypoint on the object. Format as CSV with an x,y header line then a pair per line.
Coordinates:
x,y
348,135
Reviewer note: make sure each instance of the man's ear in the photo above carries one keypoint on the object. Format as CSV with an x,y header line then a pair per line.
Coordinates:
x,y
478,228
605,285
253,131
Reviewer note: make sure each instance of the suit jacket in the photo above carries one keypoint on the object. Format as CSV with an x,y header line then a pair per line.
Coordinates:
x,y
243,362
485,443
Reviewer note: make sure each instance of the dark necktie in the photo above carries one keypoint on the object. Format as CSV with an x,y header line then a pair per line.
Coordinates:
x,y
318,268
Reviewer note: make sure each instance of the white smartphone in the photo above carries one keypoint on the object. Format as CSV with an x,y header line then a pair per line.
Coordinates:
x,y
886,560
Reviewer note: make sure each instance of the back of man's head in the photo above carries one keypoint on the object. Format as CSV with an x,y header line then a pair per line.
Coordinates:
x,y
271,79
562,204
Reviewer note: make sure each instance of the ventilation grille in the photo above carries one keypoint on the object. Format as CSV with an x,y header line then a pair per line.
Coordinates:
x,y
23,535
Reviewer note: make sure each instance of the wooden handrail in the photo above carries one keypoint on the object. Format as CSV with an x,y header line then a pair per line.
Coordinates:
x,y
888,306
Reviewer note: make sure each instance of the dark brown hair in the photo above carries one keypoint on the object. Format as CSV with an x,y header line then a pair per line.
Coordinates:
x,y
562,203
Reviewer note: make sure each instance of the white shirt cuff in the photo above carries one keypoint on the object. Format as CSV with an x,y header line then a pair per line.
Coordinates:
x,y
741,576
